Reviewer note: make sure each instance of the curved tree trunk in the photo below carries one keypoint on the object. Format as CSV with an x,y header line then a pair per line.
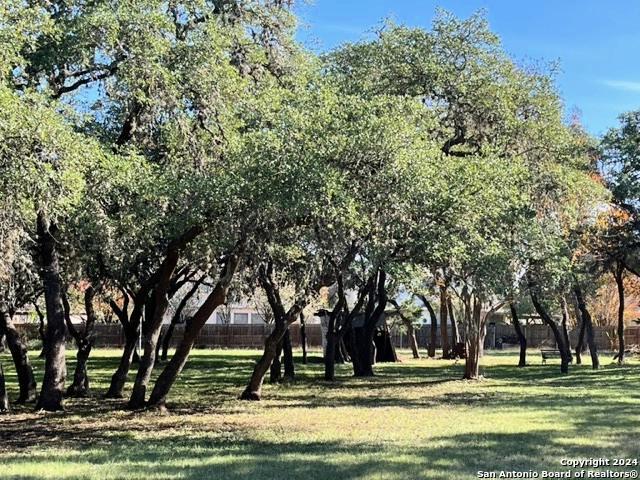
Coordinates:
x,y
119,378
253,391
431,350
20,357
55,367
154,315
586,318
80,385
559,337
217,297
619,276
130,328
84,341
282,320
455,331
153,324
166,339
520,334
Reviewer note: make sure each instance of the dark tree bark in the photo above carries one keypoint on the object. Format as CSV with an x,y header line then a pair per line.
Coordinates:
x,y
586,318
333,337
55,367
130,326
431,351
343,349
330,354
411,331
152,326
20,358
580,347
559,337
275,370
130,123
155,309
339,324
303,338
364,354
385,350
119,377
282,320
619,277
339,355
217,297
287,350
41,328
4,399
253,391
565,327
166,340
455,331
84,341
444,331
520,334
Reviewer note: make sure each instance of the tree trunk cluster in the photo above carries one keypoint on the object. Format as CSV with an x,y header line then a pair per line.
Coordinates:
x,y
84,341
18,349
274,342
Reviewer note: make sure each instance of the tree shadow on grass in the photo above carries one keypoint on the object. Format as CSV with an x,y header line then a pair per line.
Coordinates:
x,y
215,457
212,380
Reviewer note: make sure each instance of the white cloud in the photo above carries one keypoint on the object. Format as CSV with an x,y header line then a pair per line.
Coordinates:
x,y
626,85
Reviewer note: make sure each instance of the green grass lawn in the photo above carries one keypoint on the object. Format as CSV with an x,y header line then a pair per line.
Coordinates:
x,y
415,419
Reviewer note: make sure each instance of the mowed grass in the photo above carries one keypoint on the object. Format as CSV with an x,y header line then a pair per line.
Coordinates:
x,y
415,419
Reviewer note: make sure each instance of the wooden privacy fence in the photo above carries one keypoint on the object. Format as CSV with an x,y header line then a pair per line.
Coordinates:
x,y
215,336
537,336
245,336
252,336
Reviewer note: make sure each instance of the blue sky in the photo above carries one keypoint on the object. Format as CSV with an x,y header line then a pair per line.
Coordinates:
x,y
596,42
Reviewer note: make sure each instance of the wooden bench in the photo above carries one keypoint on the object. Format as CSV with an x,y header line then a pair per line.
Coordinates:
x,y
549,354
